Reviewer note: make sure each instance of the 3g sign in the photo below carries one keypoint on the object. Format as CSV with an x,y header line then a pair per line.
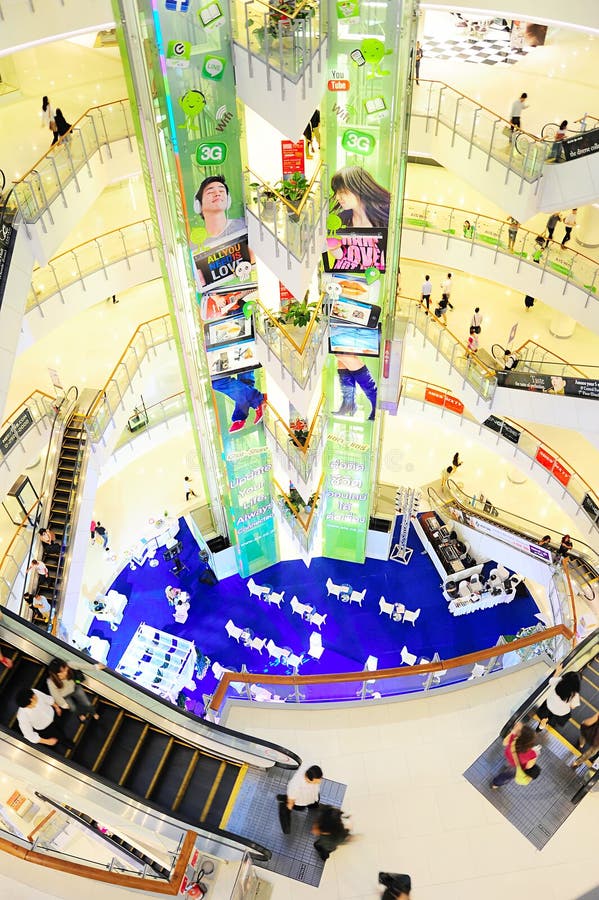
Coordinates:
x,y
358,142
211,153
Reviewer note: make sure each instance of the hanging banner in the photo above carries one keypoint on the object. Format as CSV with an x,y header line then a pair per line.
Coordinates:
x,y
581,144
440,398
586,388
292,158
8,236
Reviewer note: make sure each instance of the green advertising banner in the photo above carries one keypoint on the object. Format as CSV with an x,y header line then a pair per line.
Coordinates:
x,y
194,82
361,113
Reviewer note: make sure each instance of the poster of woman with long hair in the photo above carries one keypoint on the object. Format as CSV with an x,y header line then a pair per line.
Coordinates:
x,y
362,207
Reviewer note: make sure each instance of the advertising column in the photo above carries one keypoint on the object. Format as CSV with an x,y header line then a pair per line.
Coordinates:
x,y
363,112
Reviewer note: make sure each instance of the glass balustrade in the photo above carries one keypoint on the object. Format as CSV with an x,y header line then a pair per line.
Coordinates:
x,y
75,265
156,414
93,133
297,355
300,457
442,105
284,36
534,357
479,230
293,225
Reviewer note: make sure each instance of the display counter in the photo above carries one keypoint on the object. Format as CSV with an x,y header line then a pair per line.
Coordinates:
x,y
448,555
461,606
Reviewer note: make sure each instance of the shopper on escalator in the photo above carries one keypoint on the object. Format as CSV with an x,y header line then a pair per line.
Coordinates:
x,y
562,698
65,686
37,718
589,735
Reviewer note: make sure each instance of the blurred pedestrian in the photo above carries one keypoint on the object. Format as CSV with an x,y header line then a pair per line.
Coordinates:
x,y
565,546
446,286
552,221
512,232
569,223
516,113
62,127
529,302
92,531
589,737
329,830
545,541
64,684
41,569
37,717
456,461
48,537
562,697
103,535
417,60
540,247
477,320
557,150
426,291
303,792
472,345
48,115
189,491
520,755
397,886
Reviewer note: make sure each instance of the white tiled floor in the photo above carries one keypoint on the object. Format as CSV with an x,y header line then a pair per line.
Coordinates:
x,y
412,809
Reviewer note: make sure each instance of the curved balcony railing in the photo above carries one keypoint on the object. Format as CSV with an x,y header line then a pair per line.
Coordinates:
x,y
147,336
485,231
451,348
535,357
521,441
75,265
284,36
297,354
302,453
153,415
550,643
293,226
481,127
32,412
93,132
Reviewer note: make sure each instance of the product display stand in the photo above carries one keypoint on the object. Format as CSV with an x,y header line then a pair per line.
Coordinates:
x,y
159,662
407,503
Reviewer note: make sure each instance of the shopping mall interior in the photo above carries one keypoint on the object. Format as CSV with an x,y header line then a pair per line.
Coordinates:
x,y
327,511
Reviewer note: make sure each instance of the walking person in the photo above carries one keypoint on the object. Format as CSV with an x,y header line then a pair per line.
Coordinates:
x,y
552,221
512,232
37,718
92,531
62,127
189,491
520,755
48,115
426,291
446,286
563,696
441,310
456,461
569,224
472,345
103,535
303,792
589,735
417,60
557,150
516,113
540,247
64,684
330,831
477,320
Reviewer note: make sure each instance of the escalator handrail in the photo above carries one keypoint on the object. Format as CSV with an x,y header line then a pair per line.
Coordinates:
x,y
530,701
64,650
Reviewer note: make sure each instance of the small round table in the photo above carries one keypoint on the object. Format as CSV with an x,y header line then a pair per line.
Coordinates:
x,y
345,592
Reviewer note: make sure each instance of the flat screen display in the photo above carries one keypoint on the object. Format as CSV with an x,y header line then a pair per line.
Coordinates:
x,y
354,339
232,358
228,331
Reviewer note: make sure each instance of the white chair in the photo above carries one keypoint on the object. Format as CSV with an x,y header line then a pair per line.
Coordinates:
x,y
316,649
357,597
477,672
464,589
277,653
275,598
407,658
261,695
384,607
302,609
233,631
317,619
371,664
334,589
256,590
411,615
295,661
257,644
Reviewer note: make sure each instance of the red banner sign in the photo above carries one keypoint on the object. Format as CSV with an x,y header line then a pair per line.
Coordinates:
x,y
285,296
562,474
549,462
545,459
440,398
292,156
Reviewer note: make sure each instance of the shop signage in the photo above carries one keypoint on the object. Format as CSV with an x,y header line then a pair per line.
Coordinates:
x,y
586,388
440,398
15,430
590,506
581,144
292,157
503,428
8,236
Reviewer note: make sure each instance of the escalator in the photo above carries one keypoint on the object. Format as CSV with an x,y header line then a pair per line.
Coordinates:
x,y
144,757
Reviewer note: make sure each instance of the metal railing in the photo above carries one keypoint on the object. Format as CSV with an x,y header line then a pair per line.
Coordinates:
x,y
147,336
520,440
74,265
284,36
45,182
33,412
534,357
464,117
300,457
565,263
293,227
157,413
297,357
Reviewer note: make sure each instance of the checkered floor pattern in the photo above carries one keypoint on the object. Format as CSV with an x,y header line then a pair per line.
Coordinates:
x,y
486,52
255,816
540,808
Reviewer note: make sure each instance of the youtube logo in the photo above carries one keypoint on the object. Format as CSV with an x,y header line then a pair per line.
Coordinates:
x,y
338,84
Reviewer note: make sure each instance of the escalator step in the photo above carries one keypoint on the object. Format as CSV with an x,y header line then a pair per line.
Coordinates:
x,y
115,762
172,775
147,761
194,802
571,732
87,750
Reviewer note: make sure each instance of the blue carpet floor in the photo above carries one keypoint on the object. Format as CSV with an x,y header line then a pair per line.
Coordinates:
x,y
350,633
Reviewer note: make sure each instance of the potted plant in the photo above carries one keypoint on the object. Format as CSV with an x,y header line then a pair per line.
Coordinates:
x,y
299,427
266,198
298,313
293,190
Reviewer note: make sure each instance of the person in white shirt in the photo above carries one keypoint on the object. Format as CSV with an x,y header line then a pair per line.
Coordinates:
x,y
47,114
477,319
562,698
516,112
570,223
303,790
427,290
37,718
446,286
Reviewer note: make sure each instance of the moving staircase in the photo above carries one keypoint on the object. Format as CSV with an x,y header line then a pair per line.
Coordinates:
x,y
589,705
142,760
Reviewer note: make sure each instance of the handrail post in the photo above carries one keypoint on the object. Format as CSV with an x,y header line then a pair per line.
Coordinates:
x,y
439,109
495,124
455,119
472,132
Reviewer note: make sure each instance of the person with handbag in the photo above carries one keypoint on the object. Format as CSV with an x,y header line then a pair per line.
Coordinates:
x,y
330,831
521,757
65,687
563,696
303,792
